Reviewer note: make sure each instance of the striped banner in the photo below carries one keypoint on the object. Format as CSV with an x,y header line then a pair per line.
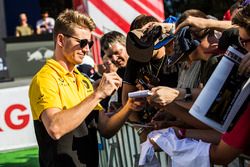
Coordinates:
x,y
117,15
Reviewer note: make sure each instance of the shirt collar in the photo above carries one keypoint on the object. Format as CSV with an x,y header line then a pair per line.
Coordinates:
x,y
59,68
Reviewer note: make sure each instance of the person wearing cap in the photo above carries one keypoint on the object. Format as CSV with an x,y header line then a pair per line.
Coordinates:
x,y
228,38
209,46
146,67
236,141
189,53
64,105
178,106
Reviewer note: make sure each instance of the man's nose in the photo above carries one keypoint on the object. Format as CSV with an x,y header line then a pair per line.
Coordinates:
x,y
86,48
114,57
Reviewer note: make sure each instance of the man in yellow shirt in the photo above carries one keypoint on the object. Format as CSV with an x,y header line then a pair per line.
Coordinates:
x,y
65,108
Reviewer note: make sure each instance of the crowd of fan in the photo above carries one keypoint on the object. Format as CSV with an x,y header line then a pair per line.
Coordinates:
x,y
173,59
177,84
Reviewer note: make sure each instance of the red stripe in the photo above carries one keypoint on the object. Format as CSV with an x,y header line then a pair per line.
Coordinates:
x,y
93,49
96,50
98,31
153,8
137,7
111,14
99,53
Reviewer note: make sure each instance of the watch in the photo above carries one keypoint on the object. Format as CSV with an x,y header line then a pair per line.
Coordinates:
x,y
188,95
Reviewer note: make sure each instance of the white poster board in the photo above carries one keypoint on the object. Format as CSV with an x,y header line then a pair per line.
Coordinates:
x,y
16,122
223,95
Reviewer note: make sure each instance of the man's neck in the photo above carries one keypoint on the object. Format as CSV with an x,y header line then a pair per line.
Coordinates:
x,y
67,66
24,24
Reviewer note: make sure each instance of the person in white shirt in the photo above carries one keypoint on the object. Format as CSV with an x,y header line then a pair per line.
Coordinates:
x,y
46,24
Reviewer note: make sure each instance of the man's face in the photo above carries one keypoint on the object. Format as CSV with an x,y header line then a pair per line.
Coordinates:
x,y
72,50
244,39
23,17
208,43
108,65
45,15
117,54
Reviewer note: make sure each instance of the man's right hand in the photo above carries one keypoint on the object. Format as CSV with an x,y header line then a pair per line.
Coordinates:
x,y
109,83
163,95
195,23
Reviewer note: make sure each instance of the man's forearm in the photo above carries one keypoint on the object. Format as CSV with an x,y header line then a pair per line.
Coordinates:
x,y
183,115
210,136
219,25
59,122
109,126
180,100
126,88
222,153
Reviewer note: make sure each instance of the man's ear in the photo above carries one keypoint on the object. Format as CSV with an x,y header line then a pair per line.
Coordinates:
x,y
60,40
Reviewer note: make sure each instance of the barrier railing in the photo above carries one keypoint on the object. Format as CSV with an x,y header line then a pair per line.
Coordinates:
x,y
123,150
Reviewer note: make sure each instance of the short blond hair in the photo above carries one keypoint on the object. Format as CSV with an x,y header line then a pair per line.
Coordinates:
x,y
69,19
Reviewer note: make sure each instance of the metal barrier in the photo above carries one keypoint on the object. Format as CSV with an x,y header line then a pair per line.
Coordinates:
x,y
123,150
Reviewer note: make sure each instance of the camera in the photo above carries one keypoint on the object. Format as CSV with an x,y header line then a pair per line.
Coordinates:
x,y
147,80
151,35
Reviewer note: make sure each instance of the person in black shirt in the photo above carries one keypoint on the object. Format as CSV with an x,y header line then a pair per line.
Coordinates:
x,y
145,75
156,67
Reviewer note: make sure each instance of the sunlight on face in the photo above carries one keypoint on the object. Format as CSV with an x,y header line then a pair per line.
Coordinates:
x,y
117,54
74,54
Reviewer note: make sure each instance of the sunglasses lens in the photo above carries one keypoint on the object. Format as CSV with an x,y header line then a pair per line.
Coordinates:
x,y
84,42
90,44
213,37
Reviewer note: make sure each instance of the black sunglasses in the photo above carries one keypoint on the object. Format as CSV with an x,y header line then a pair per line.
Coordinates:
x,y
83,42
199,35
